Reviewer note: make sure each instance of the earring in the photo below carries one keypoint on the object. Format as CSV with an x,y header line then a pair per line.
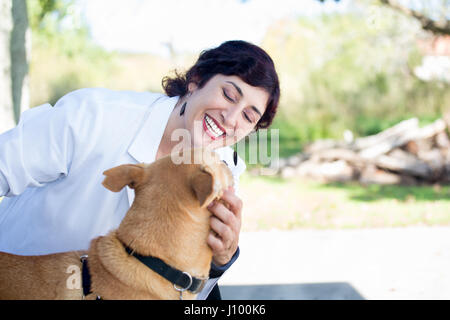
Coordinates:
x,y
235,158
182,109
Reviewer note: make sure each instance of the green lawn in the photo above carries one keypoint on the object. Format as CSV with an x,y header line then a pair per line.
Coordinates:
x,y
274,203
271,202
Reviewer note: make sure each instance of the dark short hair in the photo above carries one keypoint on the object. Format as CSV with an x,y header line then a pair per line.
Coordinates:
x,y
239,58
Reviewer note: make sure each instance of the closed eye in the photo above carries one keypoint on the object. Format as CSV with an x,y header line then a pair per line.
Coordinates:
x,y
247,117
227,96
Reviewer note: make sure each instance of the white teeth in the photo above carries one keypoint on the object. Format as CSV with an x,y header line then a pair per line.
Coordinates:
x,y
213,127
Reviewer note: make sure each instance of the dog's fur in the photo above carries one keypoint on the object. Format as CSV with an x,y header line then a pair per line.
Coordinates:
x,y
168,219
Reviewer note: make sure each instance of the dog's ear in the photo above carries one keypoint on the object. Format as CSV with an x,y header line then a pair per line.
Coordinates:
x,y
202,183
126,174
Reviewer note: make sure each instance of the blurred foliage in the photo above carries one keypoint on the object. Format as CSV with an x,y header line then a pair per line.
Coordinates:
x,y
44,13
350,71
339,71
64,58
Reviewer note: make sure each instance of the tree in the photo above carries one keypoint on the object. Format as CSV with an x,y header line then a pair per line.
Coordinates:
x,y
15,51
6,104
441,25
432,15
14,58
20,56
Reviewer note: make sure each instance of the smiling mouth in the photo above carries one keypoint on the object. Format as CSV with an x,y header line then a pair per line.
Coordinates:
x,y
212,128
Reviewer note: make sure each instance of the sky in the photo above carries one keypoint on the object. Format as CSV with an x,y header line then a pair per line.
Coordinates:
x,y
190,25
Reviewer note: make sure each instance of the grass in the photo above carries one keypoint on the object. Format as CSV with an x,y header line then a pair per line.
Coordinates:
x,y
274,203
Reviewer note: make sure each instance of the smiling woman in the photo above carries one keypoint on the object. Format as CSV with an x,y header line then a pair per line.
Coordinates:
x,y
51,175
233,58
230,91
216,114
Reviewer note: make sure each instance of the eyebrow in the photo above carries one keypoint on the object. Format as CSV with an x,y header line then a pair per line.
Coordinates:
x,y
242,95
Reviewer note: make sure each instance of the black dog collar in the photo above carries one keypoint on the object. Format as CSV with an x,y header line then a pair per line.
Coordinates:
x,y
86,277
181,280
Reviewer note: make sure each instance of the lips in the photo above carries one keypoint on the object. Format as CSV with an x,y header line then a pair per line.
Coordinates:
x,y
213,128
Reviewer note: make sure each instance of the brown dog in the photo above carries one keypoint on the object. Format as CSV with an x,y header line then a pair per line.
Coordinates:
x,y
168,220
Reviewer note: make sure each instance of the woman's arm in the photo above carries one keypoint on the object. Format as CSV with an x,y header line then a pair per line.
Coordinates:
x,y
40,149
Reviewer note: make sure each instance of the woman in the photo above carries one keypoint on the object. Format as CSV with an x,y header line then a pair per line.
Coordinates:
x,y
51,164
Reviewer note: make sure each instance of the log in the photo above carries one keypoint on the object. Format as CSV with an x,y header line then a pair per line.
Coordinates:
x,y
402,154
324,144
295,160
403,162
372,175
404,132
336,171
386,135
431,130
446,172
334,154
419,146
442,140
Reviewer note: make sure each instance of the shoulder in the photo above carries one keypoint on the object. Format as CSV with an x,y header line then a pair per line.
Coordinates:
x,y
104,104
100,96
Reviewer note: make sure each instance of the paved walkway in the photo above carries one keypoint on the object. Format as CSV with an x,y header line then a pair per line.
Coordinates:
x,y
399,263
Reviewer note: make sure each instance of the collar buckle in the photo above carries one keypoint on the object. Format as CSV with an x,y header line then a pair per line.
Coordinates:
x,y
181,289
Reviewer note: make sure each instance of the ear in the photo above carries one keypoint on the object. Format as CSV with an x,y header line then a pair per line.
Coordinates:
x,y
127,174
192,86
202,183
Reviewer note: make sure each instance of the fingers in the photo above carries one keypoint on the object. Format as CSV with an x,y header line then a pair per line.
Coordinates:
x,y
223,231
233,201
226,216
215,243
223,242
225,227
223,213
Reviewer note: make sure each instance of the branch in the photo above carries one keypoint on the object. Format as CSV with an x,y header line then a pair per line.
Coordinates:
x,y
439,27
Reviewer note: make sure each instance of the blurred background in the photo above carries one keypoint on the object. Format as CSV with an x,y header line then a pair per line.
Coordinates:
x,y
363,118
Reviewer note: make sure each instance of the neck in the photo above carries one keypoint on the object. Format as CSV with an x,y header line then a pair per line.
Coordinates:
x,y
115,275
181,243
175,122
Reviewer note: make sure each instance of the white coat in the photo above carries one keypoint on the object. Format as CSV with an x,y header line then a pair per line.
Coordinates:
x,y
51,168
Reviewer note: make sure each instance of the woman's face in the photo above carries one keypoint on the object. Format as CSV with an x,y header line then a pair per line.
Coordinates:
x,y
223,111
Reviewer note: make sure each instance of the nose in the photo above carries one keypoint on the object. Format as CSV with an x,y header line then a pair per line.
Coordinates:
x,y
229,118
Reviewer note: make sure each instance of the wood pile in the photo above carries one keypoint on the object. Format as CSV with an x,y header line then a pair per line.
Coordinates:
x,y
403,154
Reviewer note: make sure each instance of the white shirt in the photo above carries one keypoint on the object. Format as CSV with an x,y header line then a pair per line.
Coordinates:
x,y
52,163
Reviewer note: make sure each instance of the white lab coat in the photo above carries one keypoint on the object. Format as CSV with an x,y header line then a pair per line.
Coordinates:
x,y
51,168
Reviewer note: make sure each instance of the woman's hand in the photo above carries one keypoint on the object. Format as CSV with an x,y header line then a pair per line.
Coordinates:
x,y
225,227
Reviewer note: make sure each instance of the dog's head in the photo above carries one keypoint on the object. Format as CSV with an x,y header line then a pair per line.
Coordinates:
x,y
193,177
168,218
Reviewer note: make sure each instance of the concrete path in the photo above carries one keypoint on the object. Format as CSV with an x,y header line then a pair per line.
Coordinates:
x,y
400,263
